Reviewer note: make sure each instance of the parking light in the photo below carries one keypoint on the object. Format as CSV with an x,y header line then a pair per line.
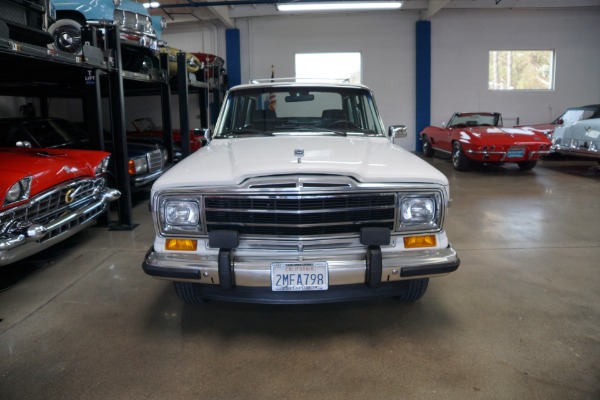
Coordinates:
x,y
181,244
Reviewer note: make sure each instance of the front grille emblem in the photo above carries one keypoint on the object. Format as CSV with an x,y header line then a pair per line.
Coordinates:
x,y
299,153
70,196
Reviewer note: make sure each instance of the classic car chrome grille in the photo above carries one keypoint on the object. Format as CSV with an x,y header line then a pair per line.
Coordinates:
x,y
51,204
131,20
155,160
300,215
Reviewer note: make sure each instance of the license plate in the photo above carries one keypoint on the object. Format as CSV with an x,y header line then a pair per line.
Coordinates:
x,y
515,153
298,277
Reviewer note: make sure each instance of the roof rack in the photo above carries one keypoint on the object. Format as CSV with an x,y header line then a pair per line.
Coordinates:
x,y
300,80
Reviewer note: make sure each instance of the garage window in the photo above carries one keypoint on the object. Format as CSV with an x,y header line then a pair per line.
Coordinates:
x,y
329,66
521,70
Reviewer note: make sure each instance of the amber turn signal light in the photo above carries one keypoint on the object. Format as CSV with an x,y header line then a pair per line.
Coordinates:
x,y
413,242
181,244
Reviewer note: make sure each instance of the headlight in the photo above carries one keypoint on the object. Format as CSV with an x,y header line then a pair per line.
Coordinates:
x,y
17,192
103,166
419,211
137,166
180,215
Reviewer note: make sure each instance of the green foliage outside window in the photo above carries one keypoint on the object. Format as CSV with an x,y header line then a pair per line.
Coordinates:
x,y
521,70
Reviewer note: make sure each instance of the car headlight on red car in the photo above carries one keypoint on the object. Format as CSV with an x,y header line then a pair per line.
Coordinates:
x,y
18,191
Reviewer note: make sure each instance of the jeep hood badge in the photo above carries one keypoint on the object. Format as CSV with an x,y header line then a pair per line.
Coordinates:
x,y
299,153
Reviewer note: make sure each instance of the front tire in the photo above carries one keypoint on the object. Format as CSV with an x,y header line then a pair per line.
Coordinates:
x,y
427,149
67,36
527,165
188,292
459,161
415,290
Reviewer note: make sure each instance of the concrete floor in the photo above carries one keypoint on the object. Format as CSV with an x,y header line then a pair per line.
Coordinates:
x,y
520,319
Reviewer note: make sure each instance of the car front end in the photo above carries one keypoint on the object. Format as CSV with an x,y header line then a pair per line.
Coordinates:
x,y
58,197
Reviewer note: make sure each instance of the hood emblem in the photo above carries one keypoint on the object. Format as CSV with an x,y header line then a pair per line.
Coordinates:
x,y
69,170
299,153
70,195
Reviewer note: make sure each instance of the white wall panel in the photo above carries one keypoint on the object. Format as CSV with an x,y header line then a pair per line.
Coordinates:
x,y
461,40
385,40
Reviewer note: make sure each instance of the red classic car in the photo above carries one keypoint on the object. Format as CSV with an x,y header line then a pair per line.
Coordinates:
x,y
48,195
145,128
480,137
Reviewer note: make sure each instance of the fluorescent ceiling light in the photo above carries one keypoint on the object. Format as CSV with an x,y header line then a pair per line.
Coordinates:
x,y
341,6
152,4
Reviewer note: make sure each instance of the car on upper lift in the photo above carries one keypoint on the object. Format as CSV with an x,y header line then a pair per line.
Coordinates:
x,y
139,31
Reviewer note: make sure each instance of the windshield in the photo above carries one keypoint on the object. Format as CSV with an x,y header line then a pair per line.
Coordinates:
x,y
299,111
463,120
55,132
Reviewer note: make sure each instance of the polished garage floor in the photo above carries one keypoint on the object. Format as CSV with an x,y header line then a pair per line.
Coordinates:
x,y
520,319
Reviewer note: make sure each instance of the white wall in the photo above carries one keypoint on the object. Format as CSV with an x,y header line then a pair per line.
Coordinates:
x,y
461,40
386,42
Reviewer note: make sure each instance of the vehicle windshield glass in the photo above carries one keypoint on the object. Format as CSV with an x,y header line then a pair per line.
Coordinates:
x,y
49,133
463,120
299,111
573,115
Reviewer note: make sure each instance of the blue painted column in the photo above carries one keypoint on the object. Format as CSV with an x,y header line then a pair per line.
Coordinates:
x,y
423,79
233,54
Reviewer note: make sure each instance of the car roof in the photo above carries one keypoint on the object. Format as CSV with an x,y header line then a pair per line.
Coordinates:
x,y
286,83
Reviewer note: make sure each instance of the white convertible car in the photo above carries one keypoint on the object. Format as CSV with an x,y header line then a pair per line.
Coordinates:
x,y
580,139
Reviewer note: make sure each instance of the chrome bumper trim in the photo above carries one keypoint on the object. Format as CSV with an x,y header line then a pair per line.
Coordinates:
x,y
344,269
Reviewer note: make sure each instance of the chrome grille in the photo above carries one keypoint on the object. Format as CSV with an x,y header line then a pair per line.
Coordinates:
x,y
300,215
131,20
51,204
155,161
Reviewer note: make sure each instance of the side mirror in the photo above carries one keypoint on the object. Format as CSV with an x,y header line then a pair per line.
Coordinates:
x,y
443,124
397,131
207,134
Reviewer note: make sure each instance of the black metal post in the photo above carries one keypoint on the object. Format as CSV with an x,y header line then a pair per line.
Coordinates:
x,y
116,96
184,122
165,102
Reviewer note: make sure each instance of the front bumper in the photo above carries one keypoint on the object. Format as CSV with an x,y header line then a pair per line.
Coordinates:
x,y
19,245
351,275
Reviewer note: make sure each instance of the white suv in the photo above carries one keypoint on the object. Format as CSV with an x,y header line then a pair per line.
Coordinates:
x,y
300,197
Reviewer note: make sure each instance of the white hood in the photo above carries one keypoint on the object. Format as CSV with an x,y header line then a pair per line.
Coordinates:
x,y
227,162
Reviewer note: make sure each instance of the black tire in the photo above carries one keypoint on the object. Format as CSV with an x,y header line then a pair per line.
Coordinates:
x,y
427,149
459,161
67,35
188,292
415,290
138,60
527,165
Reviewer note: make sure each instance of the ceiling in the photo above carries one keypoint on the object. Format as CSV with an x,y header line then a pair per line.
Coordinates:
x,y
226,11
